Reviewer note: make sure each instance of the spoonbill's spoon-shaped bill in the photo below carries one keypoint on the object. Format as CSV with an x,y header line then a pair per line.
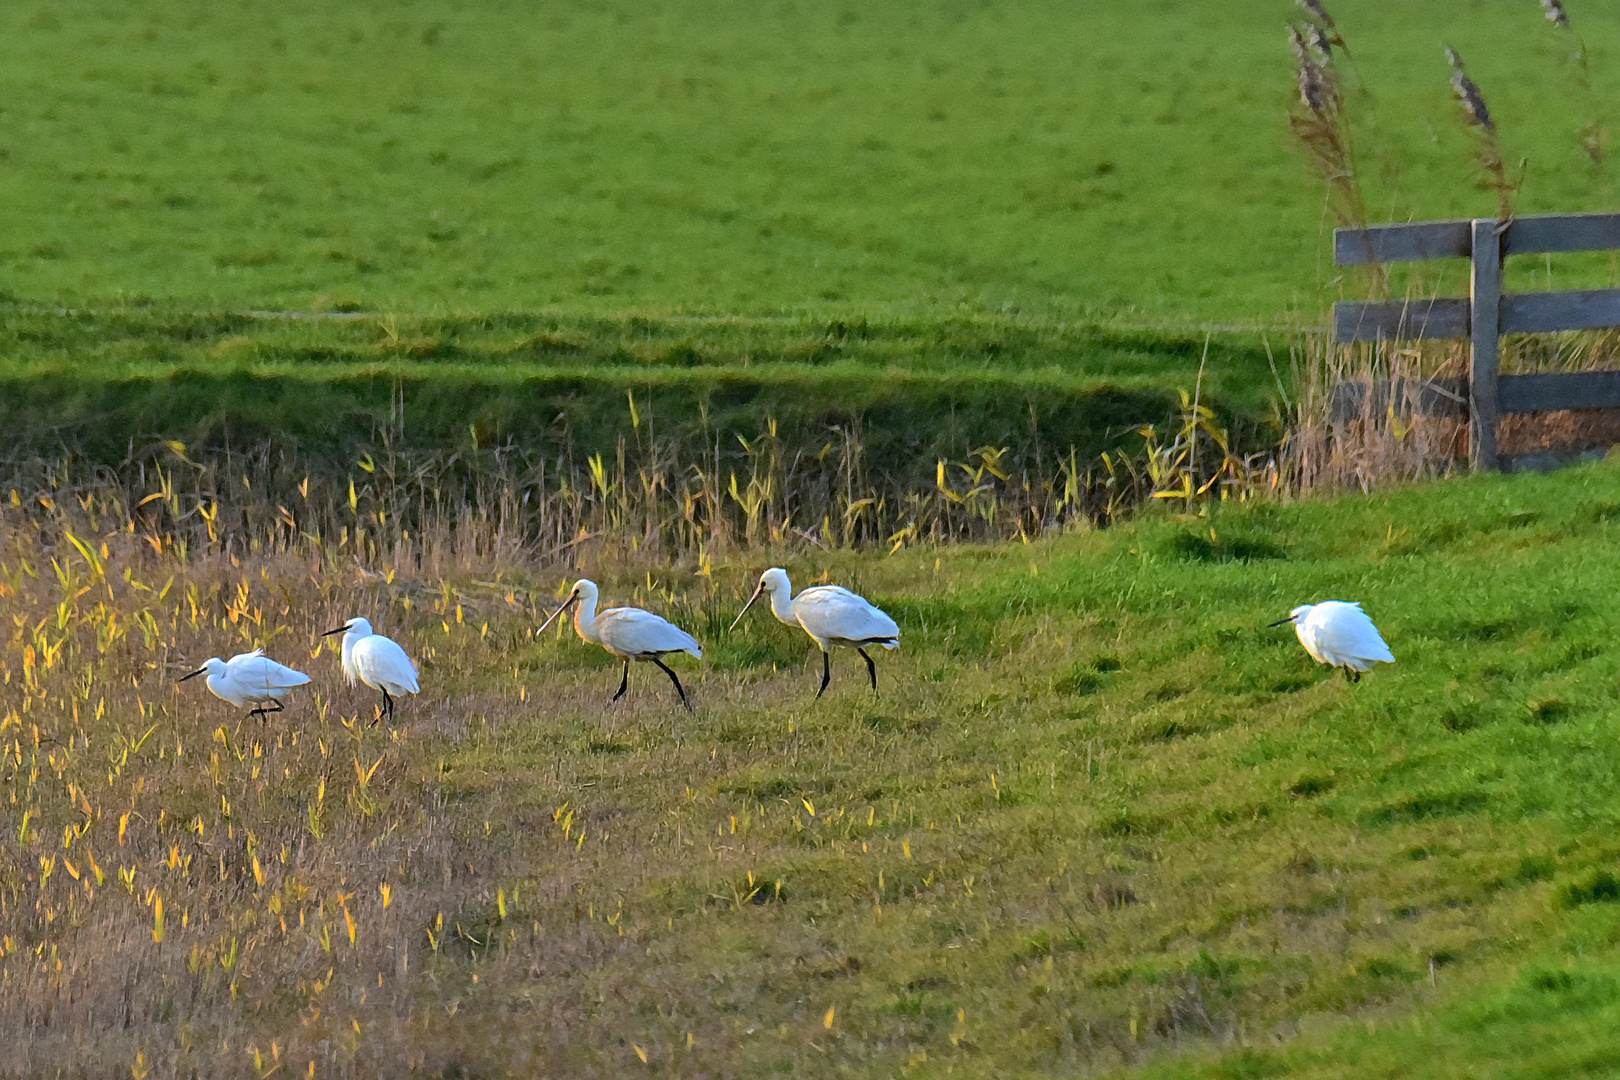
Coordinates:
x,y
376,661
250,678
831,615
628,633
1340,635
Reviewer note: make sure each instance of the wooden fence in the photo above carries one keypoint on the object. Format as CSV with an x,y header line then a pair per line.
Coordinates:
x,y
1482,318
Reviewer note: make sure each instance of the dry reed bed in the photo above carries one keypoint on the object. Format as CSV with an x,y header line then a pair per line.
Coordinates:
x,y
174,881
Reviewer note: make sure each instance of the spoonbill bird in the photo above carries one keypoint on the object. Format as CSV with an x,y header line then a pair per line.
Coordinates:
x,y
628,633
377,661
831,615
1340,635
249,678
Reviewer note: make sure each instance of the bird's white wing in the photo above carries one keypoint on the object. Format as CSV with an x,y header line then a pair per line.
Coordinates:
x,y
259,673
634,632
833,613
381,663
1344,633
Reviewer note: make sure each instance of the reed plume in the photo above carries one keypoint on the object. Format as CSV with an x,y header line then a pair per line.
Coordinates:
x,y
1320,123
1487,146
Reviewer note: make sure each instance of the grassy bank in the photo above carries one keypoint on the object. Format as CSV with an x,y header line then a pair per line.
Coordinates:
x,y
1098,816
102,384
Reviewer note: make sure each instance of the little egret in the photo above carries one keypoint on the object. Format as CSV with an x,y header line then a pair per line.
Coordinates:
x,y
1340,635
628,633
831,616
377,661
249,678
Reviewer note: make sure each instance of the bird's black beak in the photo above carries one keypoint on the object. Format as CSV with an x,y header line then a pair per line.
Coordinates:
x,y
194,674
1280,622
758,589
560,609
339,630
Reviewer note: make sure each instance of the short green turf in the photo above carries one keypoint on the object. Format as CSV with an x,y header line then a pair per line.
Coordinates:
x,y
1058,159
1100,816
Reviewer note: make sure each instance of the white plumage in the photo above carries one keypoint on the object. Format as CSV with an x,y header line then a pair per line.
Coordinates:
x,y
249,678
628,633
376,661
1340,635
831,615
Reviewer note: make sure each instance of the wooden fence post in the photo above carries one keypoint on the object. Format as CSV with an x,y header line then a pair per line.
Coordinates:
x,y
1484,332
1483,318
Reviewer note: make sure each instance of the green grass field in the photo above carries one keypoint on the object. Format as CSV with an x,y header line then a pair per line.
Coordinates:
x,y
1051,159
1099,816
1099,820
1006,224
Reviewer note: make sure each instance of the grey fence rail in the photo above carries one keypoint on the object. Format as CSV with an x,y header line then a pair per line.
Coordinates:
x,y
1483,317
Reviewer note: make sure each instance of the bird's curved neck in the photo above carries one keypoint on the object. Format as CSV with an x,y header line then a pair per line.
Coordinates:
x,y
782,603
585,618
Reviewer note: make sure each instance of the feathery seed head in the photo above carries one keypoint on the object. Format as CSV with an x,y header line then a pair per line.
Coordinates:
x,y
1314,89
1320,42
1473,102
1315,10
1297,42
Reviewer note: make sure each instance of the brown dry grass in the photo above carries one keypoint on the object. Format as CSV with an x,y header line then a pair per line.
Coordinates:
x,y
176,882
1388,439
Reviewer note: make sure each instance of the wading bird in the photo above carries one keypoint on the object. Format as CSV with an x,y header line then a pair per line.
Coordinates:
x,y
377,661
628,633
1340,635
249,678
831,615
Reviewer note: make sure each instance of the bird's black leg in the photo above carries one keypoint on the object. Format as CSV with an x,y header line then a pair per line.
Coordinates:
x,y
826,671
1355,676
387,709
260,711
871,668
624,683
678,688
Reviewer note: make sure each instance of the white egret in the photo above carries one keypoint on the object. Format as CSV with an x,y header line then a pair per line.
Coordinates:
x,y
831,615
249,678
628,633
1340,635
377,661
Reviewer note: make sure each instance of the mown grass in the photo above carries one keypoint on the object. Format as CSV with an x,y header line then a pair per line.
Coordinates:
x,y
1098,817
1022,155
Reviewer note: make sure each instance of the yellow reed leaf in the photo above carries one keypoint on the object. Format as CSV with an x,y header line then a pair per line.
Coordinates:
x,y
364,775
